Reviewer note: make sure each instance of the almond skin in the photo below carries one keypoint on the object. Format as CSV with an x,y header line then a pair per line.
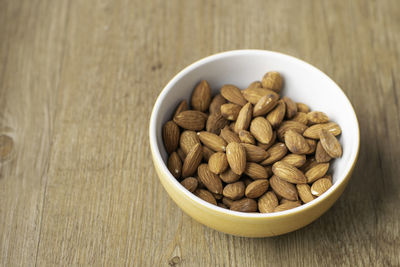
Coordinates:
x,y
233,94
268,202
288,173
229,136
170,134
272,80
192,161
320,186
257,188
215,123
230,111
255,171
205,195
183,106
175,165
236,155
290,125
244,118
234,191
296,143
320,154
216,103
276,152
295,160
218,163
315,117
201,96
209,179
283,189
313,131
181,154
261,130
188,140
191,120
275,116
305,192
190,184
312,144
316,172
272,142
330,143
287,206
255,84
229,176
207,153
246,137
255,153
284,200
244,205
265,104
227,201
301,107
213,141
301,117
253,95
291,107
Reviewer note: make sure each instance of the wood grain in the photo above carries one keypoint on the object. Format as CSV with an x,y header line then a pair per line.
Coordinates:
x,y
77,83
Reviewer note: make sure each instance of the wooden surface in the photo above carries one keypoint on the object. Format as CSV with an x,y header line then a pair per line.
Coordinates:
x,y
77,83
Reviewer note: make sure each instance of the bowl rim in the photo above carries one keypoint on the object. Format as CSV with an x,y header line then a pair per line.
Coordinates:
x,y
159,161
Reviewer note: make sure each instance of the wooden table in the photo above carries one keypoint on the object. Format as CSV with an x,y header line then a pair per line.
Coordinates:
x,y
78,80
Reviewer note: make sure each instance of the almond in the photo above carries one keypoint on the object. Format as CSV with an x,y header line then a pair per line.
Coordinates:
x,y
246,137
232,126
311,162
183,106
296,142
190,184
291,107
181,154
287,206
288,173
244,118
209,179
301,107
206,196
216,103
244,205
328,176
313,131
320,154
227,201
290,125
301,117
236,155
315,117
283,189
222,205
218,163
275,116
295,160
213,141
268,202
207,153
255,84
201,96
316,172
218,196
257,188
272,80
170,134
234,191
253,95
188,140
215,123
261,130
192,161
284,200
246,180
268,169
229,176
305,192
312,144
255,171
191,120
276,152
267,146
254,153
265,104
233,94
320,186
229,136
230,111
175,165
330,143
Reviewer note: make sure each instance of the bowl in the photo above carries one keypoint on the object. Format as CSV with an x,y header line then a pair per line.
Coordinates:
x,y
303,83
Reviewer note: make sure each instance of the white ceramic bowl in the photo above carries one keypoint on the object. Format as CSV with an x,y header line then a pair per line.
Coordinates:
x,y
303,83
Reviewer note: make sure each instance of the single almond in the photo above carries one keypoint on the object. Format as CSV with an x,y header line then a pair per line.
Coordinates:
x,y
170,134
236,155
209,179
175,165
255,171
316,172
192,161
301,117
291,107
288,173
188,140
275,116
272,142
320,154
229,136
255,153
216,103
191,120
253,95
256,188
246,137
313,131
244,205
295,160
290,125
330,143
276,152
215,123
190,184
205,195
234,191
272,80
287,206
201,96
268,202
207,153
296,143
227,201
183,106
315,117
265,104
261,130
233,94
213,141
218,163
320,186
312,144
229,176
230,111
244,118
305,192
255,84
301,107
283,189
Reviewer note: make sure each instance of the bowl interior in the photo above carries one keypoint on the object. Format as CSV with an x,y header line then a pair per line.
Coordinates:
x,y
302,82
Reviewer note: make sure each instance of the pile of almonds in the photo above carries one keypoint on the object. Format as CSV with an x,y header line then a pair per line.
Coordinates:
x,y
250,150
